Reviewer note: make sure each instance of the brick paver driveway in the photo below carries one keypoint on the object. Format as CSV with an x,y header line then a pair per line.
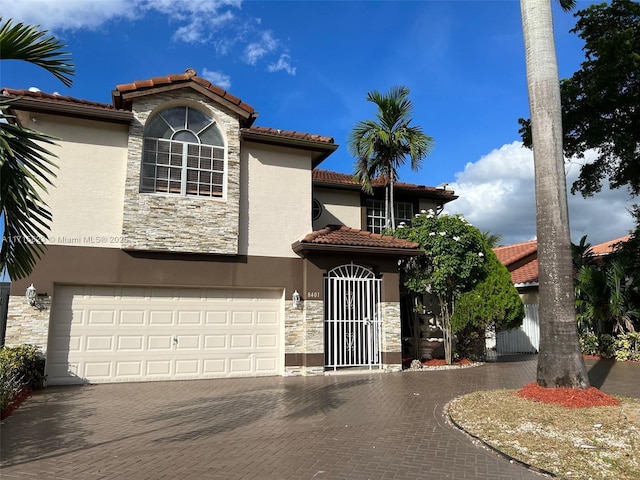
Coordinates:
x,y
361,426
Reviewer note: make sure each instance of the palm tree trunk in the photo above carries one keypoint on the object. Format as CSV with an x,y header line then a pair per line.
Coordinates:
x,y
560,362
386,206
391,210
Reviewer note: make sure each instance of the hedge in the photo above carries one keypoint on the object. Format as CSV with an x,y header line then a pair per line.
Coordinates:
x,y
21,368
621,347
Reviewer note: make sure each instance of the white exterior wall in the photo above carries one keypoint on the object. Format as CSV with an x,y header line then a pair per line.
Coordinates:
x,y
339,207
426,205
276,196
87,198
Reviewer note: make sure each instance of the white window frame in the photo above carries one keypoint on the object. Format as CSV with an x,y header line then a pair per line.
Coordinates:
x,y
376,217
150,160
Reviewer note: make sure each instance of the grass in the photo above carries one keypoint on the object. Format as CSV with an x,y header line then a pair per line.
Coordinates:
x,y
598,443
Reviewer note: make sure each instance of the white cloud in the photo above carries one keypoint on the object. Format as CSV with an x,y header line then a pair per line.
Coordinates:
x,y
283,63
69,14
194,21
217,78
256,50
497,194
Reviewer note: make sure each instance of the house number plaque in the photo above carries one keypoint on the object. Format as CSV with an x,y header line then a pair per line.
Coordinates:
x,y
313,294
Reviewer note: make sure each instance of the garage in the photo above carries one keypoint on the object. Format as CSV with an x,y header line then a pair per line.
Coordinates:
x,y
131,334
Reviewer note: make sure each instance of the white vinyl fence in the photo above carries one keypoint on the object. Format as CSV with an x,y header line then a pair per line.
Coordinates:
x,y
525,339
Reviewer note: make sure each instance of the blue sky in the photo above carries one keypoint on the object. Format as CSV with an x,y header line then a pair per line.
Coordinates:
x,y
308,65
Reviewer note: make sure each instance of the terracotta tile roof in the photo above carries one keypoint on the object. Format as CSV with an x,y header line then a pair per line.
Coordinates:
x,y
353,237
528,273
521,259
189,75
335,178
510,254
54,97
608,247
288,134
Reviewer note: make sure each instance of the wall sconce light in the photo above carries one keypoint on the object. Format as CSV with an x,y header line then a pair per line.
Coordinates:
x,y
296,299
31,295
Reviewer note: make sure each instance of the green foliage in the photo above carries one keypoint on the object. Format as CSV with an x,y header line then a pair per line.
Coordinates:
x,y
471,343
494,300
454,258
589,344
453,262
383,145
20,367
25,165
24,360
627,347
622,347
27,43
600,101
606,345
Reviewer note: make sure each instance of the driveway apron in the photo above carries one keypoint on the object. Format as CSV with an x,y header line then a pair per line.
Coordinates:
x,y
356,426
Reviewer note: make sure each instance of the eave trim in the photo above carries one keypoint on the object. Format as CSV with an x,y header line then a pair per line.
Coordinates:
x,y
302,248
70,110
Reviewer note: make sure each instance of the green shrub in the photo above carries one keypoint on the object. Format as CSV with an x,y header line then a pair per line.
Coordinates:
x,y
589,344
606,345
622,347
627,347
23,360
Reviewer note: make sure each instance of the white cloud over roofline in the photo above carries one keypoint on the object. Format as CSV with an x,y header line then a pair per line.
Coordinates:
x,y
497,194
217,78
218,22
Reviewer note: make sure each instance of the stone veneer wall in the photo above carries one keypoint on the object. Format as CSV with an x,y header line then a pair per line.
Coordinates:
x,y
304,333
27,324
391,331
169,222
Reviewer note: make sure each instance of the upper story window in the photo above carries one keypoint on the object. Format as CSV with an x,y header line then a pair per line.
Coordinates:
x,y
316,210
376,218
183,153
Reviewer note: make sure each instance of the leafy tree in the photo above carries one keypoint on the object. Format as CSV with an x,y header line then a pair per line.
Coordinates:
x,y
493,301
560,362
453,262
382,146
600,101
606,297
26,167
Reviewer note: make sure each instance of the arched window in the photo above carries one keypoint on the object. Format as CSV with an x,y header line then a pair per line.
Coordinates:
x,y
183,153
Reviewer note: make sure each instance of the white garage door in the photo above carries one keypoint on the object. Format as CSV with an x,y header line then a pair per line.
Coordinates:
x,y
124,334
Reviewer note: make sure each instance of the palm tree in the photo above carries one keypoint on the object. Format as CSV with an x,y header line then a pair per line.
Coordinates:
x,y
382,146
491,240
560,361
26,167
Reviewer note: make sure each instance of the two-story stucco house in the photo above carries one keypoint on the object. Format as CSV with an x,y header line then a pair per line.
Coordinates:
x,y
188,243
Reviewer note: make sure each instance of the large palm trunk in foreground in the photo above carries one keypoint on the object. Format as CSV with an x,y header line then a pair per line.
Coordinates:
x,y
560,362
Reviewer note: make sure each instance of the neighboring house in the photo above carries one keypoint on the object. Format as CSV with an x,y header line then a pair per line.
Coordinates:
x,y
188,243
521,259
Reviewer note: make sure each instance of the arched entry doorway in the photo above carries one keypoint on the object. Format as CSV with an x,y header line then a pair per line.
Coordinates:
x,y
352,318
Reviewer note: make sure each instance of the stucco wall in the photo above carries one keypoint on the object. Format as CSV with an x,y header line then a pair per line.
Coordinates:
x,y
277,199
87,198
339,207
426,205
530,296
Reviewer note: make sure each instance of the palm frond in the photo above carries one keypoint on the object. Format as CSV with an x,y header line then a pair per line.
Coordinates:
x,y
567,5
26,169
25,42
